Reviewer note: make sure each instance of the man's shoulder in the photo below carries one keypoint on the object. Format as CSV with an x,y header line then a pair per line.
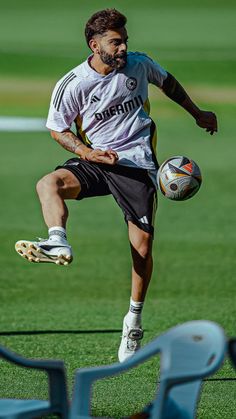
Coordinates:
x,y
144,61
75,76
136,57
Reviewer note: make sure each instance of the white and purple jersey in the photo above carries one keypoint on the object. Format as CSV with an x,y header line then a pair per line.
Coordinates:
x,y
112,111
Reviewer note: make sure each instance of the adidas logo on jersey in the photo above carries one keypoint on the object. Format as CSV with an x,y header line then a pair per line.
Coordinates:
x,y
95,99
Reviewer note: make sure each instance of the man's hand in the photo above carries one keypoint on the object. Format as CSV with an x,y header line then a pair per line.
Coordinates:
x,y
99,156
207,120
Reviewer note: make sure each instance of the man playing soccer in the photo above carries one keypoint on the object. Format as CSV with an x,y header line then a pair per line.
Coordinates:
x,y
114,152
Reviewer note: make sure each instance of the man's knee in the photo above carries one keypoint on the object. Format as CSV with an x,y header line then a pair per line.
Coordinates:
x,y
61,182
141,242
144,247
48,184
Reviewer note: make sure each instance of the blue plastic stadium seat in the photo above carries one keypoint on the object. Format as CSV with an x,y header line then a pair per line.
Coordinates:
x,y
189,352
232,351
26,409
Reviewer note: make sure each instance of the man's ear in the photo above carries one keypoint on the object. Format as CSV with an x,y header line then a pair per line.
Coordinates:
x,y
93,44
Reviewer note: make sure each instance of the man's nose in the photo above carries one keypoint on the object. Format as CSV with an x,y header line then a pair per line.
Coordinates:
x,y
123,47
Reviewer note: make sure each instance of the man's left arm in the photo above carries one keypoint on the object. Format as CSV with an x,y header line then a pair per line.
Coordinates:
x,y
173,89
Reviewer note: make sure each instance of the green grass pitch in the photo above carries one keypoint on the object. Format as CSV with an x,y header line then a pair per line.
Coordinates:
x,y
194,248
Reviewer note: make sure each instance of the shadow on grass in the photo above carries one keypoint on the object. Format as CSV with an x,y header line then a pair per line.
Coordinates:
x,y
57,332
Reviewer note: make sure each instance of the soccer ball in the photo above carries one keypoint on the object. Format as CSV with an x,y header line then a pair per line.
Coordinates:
x,y
179,178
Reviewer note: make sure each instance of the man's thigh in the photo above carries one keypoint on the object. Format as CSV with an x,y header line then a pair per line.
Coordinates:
x,y
90,176
136,194
69,185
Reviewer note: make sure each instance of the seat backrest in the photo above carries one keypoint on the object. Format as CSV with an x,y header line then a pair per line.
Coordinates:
x,y
232,351
189,352
56,377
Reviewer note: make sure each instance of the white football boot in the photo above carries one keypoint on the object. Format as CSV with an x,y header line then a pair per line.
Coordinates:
x,y
130,341
45,250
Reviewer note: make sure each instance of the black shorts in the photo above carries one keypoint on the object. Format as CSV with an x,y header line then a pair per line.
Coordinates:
x,y
132,188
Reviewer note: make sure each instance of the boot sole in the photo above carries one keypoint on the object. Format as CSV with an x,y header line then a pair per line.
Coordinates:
x,y
35,254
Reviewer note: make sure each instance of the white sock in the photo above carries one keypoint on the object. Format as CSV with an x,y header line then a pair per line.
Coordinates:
x,y
57,233
134,315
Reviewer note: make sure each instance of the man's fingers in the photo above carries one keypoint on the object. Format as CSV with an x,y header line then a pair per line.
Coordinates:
x,y
100,153
100,156
110,156
211,130
114,153
209,127
208,121
104,159
106,153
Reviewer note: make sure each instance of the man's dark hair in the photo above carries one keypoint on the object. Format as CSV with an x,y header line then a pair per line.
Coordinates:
x,y
101,22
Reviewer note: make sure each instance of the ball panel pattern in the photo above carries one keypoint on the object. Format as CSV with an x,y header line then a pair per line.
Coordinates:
x,y
179,178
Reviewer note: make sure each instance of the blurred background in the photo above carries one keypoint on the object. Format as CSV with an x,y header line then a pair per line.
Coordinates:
x,y
42,41
194,248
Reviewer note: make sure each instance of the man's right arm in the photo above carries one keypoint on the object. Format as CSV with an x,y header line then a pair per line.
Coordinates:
x,y
63,115
68,140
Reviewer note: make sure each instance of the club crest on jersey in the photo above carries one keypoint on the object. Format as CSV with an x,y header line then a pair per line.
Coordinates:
x,y
131,83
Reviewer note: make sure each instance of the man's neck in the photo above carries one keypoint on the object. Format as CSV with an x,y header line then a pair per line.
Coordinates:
x,y
96,63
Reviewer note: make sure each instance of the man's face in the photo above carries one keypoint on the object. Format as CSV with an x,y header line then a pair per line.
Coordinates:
x,y
113,48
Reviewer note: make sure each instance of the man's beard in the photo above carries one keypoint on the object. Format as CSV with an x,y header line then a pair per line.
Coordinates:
x,y
116,62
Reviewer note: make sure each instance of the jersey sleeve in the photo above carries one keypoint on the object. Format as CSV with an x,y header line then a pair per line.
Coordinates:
x,y
63,106
155,73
